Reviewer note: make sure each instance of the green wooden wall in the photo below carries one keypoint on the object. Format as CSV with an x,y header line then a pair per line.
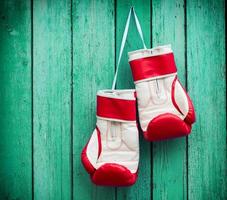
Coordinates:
x,y
56,54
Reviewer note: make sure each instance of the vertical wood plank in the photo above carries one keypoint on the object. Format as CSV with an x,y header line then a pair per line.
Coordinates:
x,y
142,188
93,69
169,157
15,98
52,78
207,87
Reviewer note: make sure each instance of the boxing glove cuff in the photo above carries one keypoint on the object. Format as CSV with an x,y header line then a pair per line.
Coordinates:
x,y
111,107
147,64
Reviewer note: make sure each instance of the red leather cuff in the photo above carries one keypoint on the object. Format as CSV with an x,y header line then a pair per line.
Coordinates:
x,y
154,66
113,108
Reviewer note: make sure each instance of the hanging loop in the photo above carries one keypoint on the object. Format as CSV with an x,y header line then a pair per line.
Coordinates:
x,y
132,10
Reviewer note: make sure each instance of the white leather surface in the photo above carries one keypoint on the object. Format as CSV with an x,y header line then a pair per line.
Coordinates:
x,y
92,148
181,98
117,94
119,139
120,145
144,53
154,98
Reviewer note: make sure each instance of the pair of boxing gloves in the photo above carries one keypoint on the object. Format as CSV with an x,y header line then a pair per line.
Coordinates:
x,y
165,111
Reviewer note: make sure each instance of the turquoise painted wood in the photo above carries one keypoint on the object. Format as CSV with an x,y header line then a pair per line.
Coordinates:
x,y
52,99
141,190
93,69
15,100
169,157
55,55
206,52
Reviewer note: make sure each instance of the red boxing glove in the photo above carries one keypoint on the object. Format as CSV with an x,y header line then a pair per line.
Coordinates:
x,y
111,156
165,109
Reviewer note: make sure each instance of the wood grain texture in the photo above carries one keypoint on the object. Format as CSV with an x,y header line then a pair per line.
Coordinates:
x,y
73,46
142,188
93,69
169,157
51,93
207,163
15,98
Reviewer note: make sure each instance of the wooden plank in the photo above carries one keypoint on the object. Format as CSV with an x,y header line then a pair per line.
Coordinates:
x,y
141,190
52,79
169,157
15,98
93,69
207,161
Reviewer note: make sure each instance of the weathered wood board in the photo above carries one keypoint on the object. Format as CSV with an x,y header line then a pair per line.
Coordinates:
x,y
56,55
